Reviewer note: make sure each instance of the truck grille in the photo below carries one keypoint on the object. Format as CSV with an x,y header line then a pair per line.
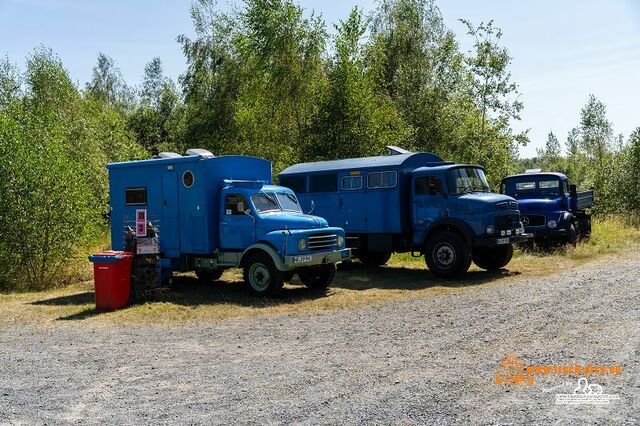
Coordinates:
x,y
533,220
508,221
322,241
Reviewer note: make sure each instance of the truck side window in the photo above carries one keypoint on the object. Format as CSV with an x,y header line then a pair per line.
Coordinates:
x,y
323,183
235,205
136,196
351,183
297,184
382,179
428,185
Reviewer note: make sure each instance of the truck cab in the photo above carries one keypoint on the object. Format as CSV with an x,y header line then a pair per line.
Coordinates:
x,y
412,202
551,208
215,213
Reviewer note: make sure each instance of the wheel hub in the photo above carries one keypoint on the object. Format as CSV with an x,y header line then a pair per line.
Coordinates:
x,y
445,255
259,276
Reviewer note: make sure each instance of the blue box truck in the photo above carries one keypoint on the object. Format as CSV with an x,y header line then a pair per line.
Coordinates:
x,y
214,213
551,207
412,202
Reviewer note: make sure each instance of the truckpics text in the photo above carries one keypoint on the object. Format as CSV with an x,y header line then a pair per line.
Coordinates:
x,y
215,213
412,202
551,207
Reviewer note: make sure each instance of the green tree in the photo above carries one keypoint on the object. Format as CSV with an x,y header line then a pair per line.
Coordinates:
x,y
107,84
357,117
10,82
155,118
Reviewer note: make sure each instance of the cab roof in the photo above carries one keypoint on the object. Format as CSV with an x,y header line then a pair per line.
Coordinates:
x,y
396,161
444,168
554,174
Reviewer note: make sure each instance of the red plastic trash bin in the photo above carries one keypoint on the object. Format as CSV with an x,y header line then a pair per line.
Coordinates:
x,y
112,278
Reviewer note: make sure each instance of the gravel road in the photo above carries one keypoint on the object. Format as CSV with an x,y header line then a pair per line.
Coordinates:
x,y
421,361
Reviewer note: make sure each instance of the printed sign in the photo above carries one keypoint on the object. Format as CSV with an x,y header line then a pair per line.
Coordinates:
x,y
148,245
141,222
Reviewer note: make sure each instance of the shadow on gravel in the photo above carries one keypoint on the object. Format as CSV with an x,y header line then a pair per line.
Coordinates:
x,y
187,290
190,291
357,277
73,299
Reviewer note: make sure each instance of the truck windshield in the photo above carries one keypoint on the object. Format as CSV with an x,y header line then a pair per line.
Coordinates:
x,y
265,202
466,180
288,201
542,186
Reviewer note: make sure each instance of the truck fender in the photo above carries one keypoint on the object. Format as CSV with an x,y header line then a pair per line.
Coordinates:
x,y
267,248
454,225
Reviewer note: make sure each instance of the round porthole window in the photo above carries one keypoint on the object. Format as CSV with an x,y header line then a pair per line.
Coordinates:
x,y
188,179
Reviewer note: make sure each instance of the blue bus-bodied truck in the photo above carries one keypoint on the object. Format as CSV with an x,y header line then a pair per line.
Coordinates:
x,y
214,213
550,206
412,202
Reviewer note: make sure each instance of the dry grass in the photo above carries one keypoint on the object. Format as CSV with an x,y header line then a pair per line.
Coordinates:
x,y
192,301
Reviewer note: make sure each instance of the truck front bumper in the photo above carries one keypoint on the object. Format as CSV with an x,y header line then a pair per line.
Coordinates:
x,y
314,259
546,233
497,241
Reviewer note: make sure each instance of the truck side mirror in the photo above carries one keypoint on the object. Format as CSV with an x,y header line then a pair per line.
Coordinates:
x,y
248,213
240,207
313,207
573,190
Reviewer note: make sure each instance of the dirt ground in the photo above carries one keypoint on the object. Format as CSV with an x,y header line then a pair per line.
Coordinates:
x,y
433,358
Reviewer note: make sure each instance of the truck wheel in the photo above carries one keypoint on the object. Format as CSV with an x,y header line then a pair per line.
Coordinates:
x,y
585,227
447,255
493,258
262,276
374,258
318,277
208,275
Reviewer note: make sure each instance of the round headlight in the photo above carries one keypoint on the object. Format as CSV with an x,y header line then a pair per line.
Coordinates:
x,y
340,241
302,244
552,224
490,229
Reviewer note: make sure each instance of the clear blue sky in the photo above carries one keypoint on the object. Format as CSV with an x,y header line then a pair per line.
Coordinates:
x,y
562,50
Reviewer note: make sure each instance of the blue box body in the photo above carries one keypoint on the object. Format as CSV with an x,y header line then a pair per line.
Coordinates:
x,y
396,219
187,218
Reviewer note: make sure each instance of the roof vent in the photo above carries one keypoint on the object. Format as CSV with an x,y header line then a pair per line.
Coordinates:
x,y
533,170
169,155
396,150
200,152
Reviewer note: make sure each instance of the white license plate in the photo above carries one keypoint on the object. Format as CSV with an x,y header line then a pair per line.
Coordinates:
x,y
503,241
301,259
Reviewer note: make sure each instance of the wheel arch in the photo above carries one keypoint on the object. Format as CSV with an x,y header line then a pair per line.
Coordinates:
x,y
458,227
264,247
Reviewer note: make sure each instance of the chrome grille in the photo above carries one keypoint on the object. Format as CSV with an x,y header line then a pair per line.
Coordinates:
x,y
322,241
533,220
508,221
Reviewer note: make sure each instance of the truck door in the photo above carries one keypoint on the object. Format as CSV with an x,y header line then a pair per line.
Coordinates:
x,y
237,229
429,204
353,204
170,229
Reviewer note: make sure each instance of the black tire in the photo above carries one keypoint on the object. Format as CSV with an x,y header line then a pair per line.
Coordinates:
x,y
262,276
447,255
318,277
208,275
585,228
374,258
572,235
493,258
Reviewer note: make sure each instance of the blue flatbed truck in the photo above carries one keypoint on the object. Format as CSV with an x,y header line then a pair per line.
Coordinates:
x,y
412,202
215,213
551,207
